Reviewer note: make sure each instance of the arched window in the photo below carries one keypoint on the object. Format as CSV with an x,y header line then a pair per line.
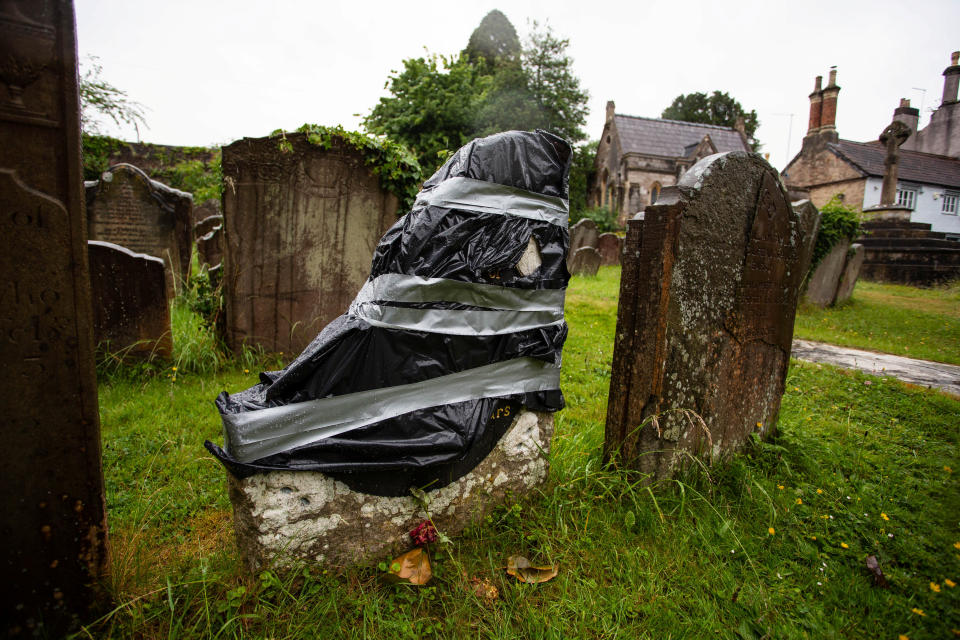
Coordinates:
x,y
654,192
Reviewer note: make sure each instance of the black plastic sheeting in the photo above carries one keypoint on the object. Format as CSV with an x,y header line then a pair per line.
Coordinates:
x,y
432,447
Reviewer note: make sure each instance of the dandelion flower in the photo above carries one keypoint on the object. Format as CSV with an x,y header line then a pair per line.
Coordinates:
x,y
956,545
844,545
884,516
173,368
246,370
947,469
950,583
760,425
780,486
903,636
799,501
813,537
934,587
796,388
771,530
819,490
174,378
919,612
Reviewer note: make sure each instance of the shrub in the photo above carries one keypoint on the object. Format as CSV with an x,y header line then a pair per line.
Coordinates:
x,y
838,222
605,219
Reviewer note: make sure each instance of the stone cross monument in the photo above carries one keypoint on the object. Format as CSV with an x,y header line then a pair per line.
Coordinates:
x,y
892,137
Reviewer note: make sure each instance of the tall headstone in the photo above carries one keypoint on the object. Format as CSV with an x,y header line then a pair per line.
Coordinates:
x,y
582,234
131,315
127,208
851,272
610,246
301,223
585,262
53,533
703,342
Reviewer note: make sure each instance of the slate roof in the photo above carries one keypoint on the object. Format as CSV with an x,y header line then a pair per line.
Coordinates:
x,y
915,166
672,138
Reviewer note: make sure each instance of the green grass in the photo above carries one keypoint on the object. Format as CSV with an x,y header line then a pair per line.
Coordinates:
x,y
689,558
907,321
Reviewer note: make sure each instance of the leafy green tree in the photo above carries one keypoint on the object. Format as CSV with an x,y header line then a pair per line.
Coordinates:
x,y
581,173
555,89
494,41
717,108
432,106
100,98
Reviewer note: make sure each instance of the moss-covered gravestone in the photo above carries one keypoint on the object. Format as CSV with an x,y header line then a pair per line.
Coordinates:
x,y
706,315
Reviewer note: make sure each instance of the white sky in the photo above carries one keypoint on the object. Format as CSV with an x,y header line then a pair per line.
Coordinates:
x,y
212,72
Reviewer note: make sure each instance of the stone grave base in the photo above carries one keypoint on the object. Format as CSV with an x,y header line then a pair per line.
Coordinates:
x,y
285,517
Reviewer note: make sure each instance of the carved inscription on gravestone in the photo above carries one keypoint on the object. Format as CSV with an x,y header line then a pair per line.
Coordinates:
x,y
127,208
705,326
53,523
300,227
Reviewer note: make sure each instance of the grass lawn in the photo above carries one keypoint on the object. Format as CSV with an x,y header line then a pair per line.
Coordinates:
x,y
771,544
891,318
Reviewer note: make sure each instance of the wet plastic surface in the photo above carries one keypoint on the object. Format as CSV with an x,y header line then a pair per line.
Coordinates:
x,y
432,447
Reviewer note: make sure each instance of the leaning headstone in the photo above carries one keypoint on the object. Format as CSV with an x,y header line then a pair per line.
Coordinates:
x,y
210,247
610,246
851,271
53,530
131,315
825,279
301,223
286,516
127,208
207,208
702,347
585,262
207,225
583,234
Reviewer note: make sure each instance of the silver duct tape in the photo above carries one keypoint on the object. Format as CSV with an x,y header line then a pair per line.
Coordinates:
x,y
252,435
489,197
469,322
396,287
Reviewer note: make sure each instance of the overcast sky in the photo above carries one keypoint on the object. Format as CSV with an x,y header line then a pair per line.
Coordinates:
x,y
212,72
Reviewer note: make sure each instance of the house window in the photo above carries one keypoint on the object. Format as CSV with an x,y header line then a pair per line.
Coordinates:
x,y
907,198
948,204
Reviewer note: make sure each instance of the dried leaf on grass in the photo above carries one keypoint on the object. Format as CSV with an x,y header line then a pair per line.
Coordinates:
x,y
873,566
412,567
484,589
520,568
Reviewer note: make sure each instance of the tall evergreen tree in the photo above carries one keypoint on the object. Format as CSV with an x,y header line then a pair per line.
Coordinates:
x,y
494,41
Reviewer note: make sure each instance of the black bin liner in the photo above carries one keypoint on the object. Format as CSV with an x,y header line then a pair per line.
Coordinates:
x,y
429,448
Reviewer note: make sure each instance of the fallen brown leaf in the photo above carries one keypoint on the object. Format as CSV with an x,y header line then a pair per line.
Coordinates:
x,y
413,567
520,568
873,566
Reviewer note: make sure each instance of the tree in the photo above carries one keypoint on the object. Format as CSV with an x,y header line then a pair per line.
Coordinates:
x,y
717,108
494,41
432,106
100,98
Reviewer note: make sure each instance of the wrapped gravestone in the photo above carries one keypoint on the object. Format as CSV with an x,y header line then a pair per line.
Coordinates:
x,y
458,328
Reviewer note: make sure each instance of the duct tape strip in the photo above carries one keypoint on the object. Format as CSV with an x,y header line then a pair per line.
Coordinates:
x,y
489,197
510,310
252,435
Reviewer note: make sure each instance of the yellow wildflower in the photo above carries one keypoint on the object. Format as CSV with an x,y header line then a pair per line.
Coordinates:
x,y
760,425
819,490
173,368
947,469
246,370
844,545
780,486
934,587
919,612
771,530
884,516
950,583
813,537
799,501
956,545
174,378
902,636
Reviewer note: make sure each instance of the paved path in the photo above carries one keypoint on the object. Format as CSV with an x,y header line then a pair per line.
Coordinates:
x,y
945,377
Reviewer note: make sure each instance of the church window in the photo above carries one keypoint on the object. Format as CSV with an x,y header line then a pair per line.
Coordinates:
x,y
948,205
907,198
654,192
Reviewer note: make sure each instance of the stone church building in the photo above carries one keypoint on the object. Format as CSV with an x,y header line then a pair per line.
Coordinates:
x,y
929,165
637,157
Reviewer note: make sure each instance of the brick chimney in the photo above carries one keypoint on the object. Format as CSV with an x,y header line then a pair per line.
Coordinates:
x,y
816,101
951,79
828,110
908,116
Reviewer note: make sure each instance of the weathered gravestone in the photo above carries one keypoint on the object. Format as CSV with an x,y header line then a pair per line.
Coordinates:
x,y
207,225
205,209
127,208
585,262
825,278
210,247
610,246
131,315
851,271
301,225
706,317
286,516
582,234
53,536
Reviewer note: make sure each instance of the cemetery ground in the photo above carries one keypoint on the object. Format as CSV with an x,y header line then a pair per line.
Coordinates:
x,y
771,544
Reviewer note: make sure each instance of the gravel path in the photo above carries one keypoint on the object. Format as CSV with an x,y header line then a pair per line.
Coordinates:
x,y
945,377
